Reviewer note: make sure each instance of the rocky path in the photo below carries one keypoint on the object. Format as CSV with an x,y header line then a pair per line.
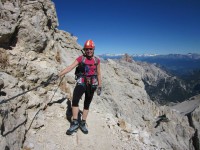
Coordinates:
x,y
52,135
187,107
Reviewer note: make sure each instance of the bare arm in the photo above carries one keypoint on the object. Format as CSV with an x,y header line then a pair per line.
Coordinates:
x,y
69,68
99,75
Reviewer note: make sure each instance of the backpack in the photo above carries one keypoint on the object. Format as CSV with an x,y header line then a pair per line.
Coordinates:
x,y
80,69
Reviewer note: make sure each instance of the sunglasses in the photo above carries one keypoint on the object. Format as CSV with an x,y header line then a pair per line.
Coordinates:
x,y
89,49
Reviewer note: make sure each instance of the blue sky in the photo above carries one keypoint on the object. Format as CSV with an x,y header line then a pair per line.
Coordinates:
x,y
133,26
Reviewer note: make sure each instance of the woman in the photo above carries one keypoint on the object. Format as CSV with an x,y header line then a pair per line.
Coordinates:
x,y
88,80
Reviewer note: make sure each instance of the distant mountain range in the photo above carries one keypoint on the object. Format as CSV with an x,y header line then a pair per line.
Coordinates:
x,y
189,55
177,64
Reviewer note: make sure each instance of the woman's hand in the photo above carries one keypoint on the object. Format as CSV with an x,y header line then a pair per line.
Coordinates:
x,y
99,90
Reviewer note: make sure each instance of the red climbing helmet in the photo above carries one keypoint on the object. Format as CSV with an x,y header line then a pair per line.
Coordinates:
x,y
89,44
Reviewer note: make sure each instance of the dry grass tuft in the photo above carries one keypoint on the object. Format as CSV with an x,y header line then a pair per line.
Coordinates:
x,y
26,148
58,58
3,58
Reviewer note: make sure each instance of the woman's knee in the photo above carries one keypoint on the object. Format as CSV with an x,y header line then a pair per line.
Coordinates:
x,y
86,107
75,103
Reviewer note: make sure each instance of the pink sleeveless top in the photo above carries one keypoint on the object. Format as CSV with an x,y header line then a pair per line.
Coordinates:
x,y
90,65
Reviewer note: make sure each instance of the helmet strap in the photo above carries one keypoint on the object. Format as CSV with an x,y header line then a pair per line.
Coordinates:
x,y
89,57
83,52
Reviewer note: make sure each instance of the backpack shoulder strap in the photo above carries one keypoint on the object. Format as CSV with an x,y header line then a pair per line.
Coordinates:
x,y
95,61
83,59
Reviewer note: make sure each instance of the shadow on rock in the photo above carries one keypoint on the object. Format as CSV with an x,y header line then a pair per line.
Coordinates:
x,y
2,93
58,101
69,114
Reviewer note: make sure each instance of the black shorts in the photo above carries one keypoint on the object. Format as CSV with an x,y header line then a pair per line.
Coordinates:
x,y
79,90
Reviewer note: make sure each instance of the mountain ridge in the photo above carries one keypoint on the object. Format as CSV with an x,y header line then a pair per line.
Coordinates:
x,y
175,55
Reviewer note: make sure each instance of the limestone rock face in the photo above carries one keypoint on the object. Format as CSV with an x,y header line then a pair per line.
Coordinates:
x,y
195,124
190,108
13,115
9,12
30,23
37,23
125,97
161,87
1,84
123,117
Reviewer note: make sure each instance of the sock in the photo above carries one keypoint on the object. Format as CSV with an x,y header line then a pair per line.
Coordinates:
x,y
74,119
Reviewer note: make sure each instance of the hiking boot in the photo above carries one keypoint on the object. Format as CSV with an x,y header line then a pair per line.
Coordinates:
x,y
83,128
73,127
